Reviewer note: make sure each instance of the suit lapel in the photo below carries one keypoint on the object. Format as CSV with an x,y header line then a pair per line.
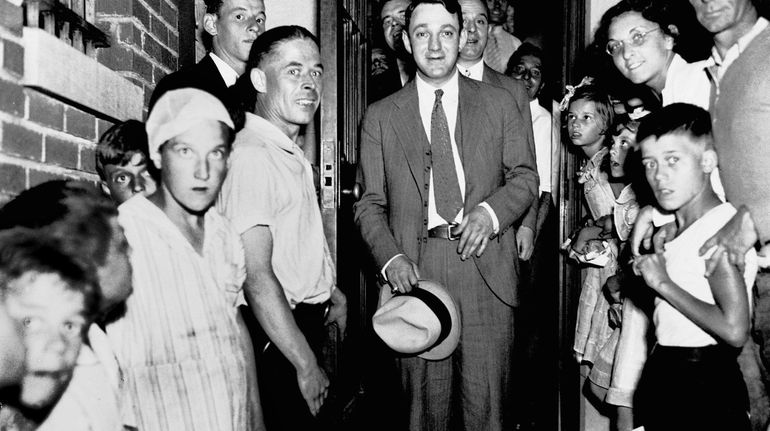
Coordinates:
x,y
490,76
469,126
410,132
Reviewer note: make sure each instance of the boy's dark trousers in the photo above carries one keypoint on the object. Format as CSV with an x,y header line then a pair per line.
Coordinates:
x,y
692,388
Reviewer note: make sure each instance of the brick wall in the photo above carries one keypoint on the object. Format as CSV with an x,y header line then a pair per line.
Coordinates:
x,y
43,137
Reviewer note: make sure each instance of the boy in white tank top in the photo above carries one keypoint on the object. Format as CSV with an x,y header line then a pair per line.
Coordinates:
x,y
691,379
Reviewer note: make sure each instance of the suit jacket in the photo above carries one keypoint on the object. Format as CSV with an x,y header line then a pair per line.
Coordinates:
x,y
203,75
499,166
519,93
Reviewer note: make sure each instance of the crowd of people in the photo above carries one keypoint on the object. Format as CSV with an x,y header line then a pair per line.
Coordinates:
x,y
193,288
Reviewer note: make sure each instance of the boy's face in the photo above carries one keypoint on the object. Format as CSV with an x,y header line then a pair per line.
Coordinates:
x,y
673,165
12,351
194,165
53,323
125,181
623,143
584,125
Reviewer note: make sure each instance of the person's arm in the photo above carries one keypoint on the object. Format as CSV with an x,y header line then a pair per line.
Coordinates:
x,y
512,199
268,302
733,240
370,212
726,320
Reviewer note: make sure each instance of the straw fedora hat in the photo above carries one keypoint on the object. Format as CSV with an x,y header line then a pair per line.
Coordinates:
x,y
424,322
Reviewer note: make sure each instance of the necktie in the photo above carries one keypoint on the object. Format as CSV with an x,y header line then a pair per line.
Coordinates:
x,y
446,187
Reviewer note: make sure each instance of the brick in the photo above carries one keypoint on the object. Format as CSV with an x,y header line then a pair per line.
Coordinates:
x,y
169,59
102,126
154,5
118,58
13,57
159,30
143,67
173,41
38,177
169,14
113,7
80,124
138,36
13,178
152,47
11,17
140,12
12,100
23,142
126,32
61,152
87,160
45,110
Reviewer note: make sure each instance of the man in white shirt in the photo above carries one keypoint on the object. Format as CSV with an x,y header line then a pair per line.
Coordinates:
x,y
502,42
230,27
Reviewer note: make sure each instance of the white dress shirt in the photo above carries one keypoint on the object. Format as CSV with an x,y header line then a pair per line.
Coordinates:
x,y
229,75
474,72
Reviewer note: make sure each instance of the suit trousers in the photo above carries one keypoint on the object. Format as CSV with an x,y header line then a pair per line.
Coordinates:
x,y
471,389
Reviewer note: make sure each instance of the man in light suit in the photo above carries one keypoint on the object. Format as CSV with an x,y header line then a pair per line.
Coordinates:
x,y
471,64
230,27
446,158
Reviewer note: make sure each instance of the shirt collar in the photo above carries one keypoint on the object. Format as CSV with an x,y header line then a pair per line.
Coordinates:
x,y
270,133
734,51
475,72
229,75
426,91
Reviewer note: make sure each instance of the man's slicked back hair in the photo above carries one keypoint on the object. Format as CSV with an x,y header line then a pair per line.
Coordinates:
x,y
677,118
452,6
242,93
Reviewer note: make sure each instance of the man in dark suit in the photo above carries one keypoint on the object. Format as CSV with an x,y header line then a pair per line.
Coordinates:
x,y
400,67
446,158
471,64
230,27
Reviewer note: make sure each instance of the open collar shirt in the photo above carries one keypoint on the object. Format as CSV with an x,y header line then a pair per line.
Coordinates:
x,y
270,183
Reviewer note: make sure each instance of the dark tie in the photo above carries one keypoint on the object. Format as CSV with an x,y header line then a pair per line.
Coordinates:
x,y
449,200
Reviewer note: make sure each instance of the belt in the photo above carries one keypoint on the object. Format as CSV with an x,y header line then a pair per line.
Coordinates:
x,y
695,354
445,231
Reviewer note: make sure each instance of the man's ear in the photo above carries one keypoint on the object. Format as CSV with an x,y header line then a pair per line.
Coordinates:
x,y
407,43
463,39
210,23
258,80
709,160
670,37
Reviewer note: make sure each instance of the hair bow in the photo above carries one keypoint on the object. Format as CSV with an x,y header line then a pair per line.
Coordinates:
x,y
638,113
564,104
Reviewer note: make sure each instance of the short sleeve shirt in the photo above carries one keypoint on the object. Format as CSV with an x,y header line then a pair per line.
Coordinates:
x,y
270,183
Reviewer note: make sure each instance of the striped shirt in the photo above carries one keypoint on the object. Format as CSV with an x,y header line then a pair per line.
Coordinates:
x,y
183,349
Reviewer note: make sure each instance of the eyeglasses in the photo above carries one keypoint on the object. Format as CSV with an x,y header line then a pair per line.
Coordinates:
x,y
520,70
614,47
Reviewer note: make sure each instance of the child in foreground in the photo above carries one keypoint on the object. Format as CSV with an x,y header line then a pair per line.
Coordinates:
x,y
691,379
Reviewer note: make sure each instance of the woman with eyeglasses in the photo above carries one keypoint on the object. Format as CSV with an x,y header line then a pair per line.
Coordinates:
x,y
640,36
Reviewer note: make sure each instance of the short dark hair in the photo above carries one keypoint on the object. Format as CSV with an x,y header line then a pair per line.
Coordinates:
x,y
677,118
452,6
119,143
242,94
74,212
523,50
24,251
